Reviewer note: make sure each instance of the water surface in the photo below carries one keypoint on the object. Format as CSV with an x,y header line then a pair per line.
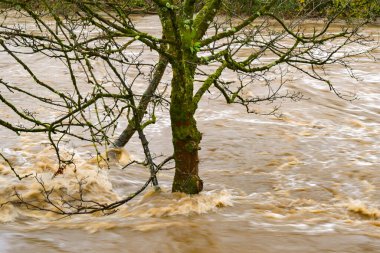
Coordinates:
x,y
306,182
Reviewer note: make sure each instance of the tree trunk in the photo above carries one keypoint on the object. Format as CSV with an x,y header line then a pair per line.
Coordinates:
x,y
186,137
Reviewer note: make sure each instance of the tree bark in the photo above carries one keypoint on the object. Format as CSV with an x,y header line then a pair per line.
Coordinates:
x,y
186,137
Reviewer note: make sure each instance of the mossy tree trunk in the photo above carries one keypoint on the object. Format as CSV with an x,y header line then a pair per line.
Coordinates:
x,y
186,137
184,31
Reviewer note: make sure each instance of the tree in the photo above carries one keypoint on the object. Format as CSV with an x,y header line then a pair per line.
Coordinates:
x,y
195,34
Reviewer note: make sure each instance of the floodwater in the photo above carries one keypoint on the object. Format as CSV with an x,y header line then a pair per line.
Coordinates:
x,y
306,182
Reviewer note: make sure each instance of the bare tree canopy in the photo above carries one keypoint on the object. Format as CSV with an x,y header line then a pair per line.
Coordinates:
x,y
103,52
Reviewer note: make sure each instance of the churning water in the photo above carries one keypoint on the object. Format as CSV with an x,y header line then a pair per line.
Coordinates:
x,y
305,182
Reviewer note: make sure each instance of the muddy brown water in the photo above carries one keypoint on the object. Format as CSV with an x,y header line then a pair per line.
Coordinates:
x,y
306,182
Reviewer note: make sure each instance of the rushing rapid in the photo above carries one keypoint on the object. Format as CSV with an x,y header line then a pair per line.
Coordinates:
x,y
307,181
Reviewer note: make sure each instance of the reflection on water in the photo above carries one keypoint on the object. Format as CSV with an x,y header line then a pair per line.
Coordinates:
x,y
306,182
